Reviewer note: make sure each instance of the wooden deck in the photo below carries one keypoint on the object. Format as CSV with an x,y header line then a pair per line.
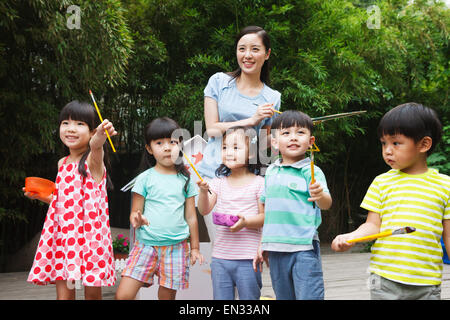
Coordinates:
x,y
345,276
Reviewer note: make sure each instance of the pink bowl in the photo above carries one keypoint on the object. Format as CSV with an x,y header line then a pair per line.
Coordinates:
x,y
223,219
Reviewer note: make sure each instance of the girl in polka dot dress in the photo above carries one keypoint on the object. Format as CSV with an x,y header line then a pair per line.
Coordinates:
x,y
75,243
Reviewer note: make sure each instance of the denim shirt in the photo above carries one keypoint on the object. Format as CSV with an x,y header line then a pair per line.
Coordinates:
x,y
232,106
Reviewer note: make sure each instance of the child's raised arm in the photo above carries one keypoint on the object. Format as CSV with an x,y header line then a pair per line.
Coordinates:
x,y
206,201
371,226
95,158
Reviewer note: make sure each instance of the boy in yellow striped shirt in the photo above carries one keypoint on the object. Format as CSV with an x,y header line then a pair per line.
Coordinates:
x,y
407,266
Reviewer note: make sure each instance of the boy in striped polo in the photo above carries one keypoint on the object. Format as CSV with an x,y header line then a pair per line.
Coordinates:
x,y
407,266
289,239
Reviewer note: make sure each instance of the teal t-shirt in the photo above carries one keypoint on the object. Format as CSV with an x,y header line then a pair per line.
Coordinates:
x,y
164,207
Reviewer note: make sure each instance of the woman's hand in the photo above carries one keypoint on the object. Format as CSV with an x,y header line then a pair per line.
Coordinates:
x,y
264,111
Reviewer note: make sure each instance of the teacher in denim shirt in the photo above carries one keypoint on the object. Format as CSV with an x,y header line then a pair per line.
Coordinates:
x,y
238,98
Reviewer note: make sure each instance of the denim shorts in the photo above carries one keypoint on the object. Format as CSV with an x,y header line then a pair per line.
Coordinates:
x,y
230,274
297,275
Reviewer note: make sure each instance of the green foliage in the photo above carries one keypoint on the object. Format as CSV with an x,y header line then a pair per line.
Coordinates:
x,y
121,244
367,247
439,159
43,66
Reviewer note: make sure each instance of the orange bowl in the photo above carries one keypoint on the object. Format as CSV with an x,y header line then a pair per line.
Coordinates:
x,y
41,186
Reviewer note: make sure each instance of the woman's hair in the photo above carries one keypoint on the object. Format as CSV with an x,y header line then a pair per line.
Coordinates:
x,y
265,77
161,128
291,118
254,164
412,120
83,111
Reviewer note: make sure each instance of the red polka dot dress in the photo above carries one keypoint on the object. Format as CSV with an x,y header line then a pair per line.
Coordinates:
x,y
75,242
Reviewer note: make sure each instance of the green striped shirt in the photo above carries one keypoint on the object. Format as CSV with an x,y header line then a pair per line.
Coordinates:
x,y
289,217
420,201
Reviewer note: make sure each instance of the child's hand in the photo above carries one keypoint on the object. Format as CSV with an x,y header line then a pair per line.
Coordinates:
x,y
137,219
315,191
241,223
196,255
340,243
203,185
36,196
99,138
259,259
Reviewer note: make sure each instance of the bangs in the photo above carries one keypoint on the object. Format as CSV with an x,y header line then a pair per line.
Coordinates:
x,y
393,124
292,118
411,120
248,132
79,111
160,128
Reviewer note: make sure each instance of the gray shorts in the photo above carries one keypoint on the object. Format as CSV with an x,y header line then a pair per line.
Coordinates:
x,y
385,289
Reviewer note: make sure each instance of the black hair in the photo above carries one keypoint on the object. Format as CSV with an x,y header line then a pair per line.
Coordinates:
x,y
254,165
291,118
85,112
265,72
412,120
161,128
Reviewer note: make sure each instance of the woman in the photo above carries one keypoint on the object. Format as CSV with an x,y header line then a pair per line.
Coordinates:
x,y
238,98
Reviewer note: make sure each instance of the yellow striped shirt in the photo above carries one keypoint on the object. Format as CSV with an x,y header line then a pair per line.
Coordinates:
x,y
420,201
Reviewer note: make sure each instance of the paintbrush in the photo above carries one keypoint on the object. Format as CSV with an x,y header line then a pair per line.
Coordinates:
x,y
101,119
193,168
403,230
336,116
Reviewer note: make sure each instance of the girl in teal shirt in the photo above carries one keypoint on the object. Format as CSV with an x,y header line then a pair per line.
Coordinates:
x,y
163,213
